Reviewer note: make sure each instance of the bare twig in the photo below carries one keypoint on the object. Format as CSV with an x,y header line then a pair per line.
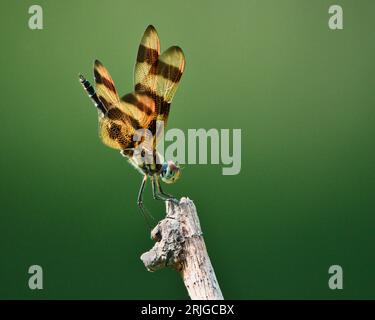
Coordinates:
x,y
180,245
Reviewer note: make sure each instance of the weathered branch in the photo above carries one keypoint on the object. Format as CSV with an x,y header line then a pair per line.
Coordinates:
x,y
180,245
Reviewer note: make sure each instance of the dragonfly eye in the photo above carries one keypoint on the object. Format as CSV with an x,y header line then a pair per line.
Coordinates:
x,y
170,172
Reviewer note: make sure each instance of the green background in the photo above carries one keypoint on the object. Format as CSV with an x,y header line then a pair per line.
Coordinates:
x,y
302,94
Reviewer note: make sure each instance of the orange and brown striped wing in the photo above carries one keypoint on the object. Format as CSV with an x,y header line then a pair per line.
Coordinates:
x,y
118,125
168,72
157,76
156,80
113,135
161,84
148,54
104,85
141,107
117,129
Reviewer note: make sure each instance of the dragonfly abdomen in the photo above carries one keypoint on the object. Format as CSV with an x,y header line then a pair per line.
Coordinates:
x,y
92,94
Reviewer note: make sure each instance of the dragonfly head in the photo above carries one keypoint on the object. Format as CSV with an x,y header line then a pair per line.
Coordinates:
x,y
170,172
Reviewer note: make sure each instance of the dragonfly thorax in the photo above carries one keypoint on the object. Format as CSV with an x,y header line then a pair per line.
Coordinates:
x,y
145,162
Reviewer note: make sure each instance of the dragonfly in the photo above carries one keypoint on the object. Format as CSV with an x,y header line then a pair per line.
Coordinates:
x,y
156,79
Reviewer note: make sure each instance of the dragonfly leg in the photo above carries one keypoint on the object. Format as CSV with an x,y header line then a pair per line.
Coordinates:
x,y
158,192
140,192
155,194
145,213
